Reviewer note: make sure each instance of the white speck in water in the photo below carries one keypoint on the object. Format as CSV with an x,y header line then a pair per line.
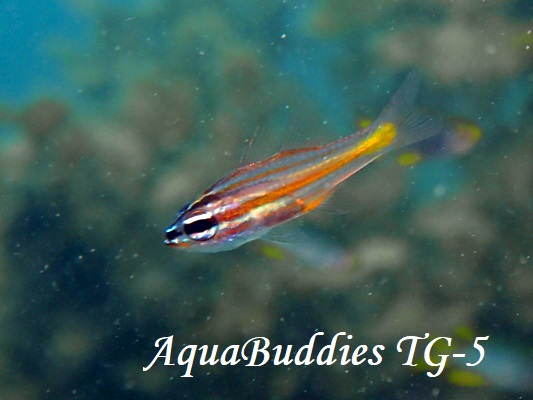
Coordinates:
x,y
490,49
439,190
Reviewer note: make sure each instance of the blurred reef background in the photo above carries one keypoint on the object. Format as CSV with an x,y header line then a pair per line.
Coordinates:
x,y
115,114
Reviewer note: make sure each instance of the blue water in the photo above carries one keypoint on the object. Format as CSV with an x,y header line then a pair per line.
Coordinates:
x,y
28,29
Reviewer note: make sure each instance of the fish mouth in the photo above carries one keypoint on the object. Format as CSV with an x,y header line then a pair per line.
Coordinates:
x,y
172,236
177,244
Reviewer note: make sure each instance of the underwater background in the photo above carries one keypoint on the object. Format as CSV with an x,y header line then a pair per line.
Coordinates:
x,y
113,114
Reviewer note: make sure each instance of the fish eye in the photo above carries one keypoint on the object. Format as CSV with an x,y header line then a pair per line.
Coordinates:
x,y
200,225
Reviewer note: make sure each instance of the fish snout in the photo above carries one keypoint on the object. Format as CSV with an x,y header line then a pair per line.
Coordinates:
x,y
172,235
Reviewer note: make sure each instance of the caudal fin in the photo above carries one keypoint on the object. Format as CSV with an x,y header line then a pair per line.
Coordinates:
x,y
401,123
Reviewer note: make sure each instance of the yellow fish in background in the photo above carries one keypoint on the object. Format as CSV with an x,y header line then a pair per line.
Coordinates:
x,y
459,136
506,364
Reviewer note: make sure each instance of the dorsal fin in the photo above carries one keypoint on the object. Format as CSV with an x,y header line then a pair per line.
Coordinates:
x,y
284,129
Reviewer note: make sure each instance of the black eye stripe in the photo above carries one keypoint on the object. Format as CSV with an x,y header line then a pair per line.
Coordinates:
x,y
172,233
200,226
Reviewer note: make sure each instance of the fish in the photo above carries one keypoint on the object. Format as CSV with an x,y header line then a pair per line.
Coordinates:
x,y
459,136
318,252
259,199
505,364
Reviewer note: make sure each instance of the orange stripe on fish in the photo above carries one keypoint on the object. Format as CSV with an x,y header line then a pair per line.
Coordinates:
x,y
381,138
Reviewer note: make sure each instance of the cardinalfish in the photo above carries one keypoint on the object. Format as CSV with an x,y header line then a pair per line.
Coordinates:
x,y
318,252
254,200
458,137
